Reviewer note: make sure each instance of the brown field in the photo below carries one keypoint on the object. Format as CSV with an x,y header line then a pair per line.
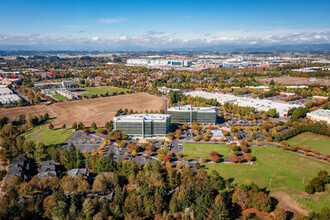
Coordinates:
x,y
98,110
297,80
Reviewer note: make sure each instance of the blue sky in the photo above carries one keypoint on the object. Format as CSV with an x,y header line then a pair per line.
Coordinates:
x,y
163,23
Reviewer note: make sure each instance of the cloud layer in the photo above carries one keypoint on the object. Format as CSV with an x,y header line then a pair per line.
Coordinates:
x,y
160,39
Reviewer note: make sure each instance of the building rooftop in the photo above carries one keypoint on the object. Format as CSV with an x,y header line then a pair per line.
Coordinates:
x,y
321,113
48,168
142,117
259,104
189,108
81,171
19,167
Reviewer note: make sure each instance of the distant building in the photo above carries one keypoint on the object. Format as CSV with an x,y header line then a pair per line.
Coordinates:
x,y
320,115
320,97
159,63
20,167
282,108
48,169
62,84
61,91
7,96
143,125
167,90
188,114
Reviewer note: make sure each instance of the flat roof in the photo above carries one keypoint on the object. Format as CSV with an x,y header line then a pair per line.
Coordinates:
x,y
189,108
320,113
142,117
259,104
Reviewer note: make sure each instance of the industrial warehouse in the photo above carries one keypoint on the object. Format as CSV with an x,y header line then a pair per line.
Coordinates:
x,y
143,125
259,104
321,115
188,114
7,96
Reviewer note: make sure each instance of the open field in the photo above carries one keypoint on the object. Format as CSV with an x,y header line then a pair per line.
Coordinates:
x,y
305,201
98,110
59,97
285,169
314,141
297,80
203,150
102,90
43,134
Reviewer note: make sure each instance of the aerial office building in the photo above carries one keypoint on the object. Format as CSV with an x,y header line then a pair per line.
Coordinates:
x,y
143,125
188,114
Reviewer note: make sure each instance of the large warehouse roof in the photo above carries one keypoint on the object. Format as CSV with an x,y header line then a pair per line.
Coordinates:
x,y
259,104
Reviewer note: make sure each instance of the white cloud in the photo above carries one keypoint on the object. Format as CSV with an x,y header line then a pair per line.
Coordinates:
x,y
95,39
160,39
110,20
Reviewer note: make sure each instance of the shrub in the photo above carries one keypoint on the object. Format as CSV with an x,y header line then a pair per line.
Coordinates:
x,y
202,160
236,152
101,130
235,148
166,157
248,156
179,165
3,173
160,157
213,153
244,148
216,159
236,159
179,154
309,189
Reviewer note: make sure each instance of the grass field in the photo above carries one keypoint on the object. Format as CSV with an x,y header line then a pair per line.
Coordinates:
x,y
59,97
203,150
43,134
102,90
284,168
314,141
313,202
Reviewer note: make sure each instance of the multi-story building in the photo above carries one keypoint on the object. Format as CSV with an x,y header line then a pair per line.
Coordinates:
x,y
188,114
143,125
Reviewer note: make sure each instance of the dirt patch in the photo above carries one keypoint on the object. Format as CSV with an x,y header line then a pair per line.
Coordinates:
x,y
197,149
286,203
297,80
37,135
253,211
98,110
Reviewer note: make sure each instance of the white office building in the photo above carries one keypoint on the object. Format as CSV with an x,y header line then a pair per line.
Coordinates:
x,y
143,125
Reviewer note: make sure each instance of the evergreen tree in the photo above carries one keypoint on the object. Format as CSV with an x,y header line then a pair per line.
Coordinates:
x,y
220,211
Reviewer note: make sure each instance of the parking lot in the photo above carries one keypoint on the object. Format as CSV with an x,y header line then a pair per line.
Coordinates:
x,y
84,142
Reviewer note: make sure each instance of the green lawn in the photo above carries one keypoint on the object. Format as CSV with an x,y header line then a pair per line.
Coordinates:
x,y
59,97
45,135
102,90
284,168
203,150
313,202
314,141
